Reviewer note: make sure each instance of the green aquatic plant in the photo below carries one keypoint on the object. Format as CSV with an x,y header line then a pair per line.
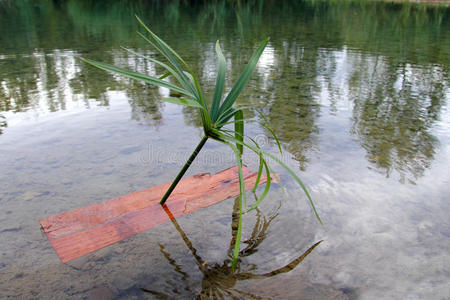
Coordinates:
x,y
215,117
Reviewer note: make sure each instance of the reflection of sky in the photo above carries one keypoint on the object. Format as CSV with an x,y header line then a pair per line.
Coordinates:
x,y
375,227
266,64
209,63
334,77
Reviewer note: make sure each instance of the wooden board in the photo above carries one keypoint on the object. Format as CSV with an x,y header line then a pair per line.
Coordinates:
x,y
84,230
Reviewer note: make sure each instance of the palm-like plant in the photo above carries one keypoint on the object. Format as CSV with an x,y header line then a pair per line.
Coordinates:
x,y
214,118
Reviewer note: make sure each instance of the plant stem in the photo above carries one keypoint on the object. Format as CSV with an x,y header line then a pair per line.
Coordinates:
x,y
185,167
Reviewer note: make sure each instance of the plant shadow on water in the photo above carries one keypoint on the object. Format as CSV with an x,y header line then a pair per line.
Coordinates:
x,y
219,279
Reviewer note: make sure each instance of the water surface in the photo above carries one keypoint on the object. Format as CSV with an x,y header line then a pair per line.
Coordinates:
x,y
357,93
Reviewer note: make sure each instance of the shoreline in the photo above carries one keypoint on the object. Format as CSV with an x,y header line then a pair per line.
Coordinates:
x,y
431,2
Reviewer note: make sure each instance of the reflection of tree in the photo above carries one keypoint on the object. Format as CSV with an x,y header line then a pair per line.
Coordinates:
x,y
2,123
393,115
18,84
285,92
219,279
96,27
35,73
91,83
294,108
145,104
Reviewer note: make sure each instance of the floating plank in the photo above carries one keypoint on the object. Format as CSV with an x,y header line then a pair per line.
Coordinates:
x,y
81,231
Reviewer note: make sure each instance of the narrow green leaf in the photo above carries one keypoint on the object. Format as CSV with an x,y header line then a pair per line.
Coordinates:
x,y
162,43
173,58
196,87
190,77
225,117
182,101
242,203
166,50
150,42
137,76
232,139
165,66
199,91
258,176
243,79
267,126
182,81
239,129
237,245
261,165
266,188
164,75
220,82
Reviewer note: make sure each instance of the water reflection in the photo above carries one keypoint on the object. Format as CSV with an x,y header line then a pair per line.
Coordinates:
x,y
391,61
294,108
145,104
393,118
19,80
219,279
2,123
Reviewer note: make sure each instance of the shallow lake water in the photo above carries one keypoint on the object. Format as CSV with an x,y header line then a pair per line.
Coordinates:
x,y
357,92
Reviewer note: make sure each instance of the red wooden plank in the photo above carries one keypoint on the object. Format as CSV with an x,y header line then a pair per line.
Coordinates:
x,y
91,215
84,242
84,230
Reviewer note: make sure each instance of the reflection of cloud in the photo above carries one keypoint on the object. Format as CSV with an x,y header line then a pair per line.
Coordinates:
x,y
371,220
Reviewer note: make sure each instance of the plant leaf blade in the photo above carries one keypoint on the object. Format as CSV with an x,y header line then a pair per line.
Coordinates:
x,y
220,82
239,129
243,79
183,101
231,139
137,76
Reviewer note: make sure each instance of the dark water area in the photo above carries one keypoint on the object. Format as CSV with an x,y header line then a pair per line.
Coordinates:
x,y
357,92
